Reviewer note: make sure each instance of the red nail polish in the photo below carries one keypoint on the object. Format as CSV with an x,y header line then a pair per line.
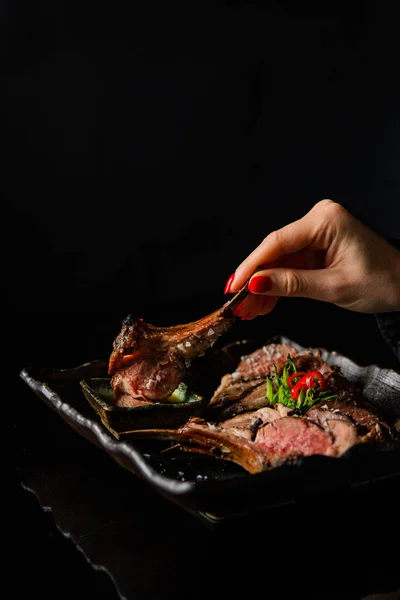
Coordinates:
x,y
228,284
259,285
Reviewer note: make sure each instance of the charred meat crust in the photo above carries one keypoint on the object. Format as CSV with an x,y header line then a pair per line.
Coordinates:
x,y
269,437
148,362
239,424
242,427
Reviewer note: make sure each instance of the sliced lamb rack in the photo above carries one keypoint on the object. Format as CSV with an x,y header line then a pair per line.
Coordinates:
x,y
269,437
249,375
241,425
244,389
265,440
148,362
244,427
369,425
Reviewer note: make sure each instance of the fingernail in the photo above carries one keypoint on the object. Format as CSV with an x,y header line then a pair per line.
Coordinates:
x,y
260,285
228,284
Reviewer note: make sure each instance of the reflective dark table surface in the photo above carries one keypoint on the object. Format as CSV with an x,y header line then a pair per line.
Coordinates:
x,y
81,526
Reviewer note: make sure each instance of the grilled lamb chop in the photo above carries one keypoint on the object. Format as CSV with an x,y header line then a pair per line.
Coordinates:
x,y
148,363
269,437
264,442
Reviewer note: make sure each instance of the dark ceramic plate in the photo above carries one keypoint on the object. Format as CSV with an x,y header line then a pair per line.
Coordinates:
x,y
212,486
181,405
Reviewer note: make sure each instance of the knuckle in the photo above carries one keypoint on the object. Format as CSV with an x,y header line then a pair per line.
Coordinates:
x,y
331,209
293,283
275,239
342,291
325,202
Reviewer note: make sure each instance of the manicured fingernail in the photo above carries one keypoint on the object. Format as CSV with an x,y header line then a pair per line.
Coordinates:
x,y
260,285
228,284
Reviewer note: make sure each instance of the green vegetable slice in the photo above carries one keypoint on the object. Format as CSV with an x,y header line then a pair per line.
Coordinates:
x,y
278,390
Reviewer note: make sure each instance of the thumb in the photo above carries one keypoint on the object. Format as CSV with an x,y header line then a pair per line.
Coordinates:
x,y
317,284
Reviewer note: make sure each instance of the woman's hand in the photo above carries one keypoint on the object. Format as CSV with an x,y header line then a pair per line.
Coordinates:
x,y
327,255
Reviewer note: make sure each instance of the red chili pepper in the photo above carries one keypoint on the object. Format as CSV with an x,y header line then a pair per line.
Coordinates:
x,y
294,376
295,391
314,380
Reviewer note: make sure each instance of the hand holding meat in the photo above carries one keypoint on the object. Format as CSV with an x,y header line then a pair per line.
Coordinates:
x,y
327,255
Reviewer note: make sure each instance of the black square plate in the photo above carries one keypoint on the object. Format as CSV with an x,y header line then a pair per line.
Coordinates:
x,y
215,487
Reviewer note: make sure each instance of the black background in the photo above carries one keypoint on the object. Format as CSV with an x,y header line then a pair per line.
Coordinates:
x,y
147,148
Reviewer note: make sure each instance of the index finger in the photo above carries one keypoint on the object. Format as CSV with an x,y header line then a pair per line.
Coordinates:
x,y
291,238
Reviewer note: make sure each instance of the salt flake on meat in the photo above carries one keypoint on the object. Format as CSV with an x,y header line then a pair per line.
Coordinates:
x,y
142,351
244,426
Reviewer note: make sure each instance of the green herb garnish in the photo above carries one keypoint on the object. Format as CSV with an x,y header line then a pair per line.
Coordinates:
x,y
300,392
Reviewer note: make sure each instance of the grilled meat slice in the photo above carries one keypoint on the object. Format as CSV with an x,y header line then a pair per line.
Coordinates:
x,y
231,443
264,439
233,389
244,389
295,436
342,386
253,396
261,362
148,362
247,424
269,437
312,361
250,373
370,427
